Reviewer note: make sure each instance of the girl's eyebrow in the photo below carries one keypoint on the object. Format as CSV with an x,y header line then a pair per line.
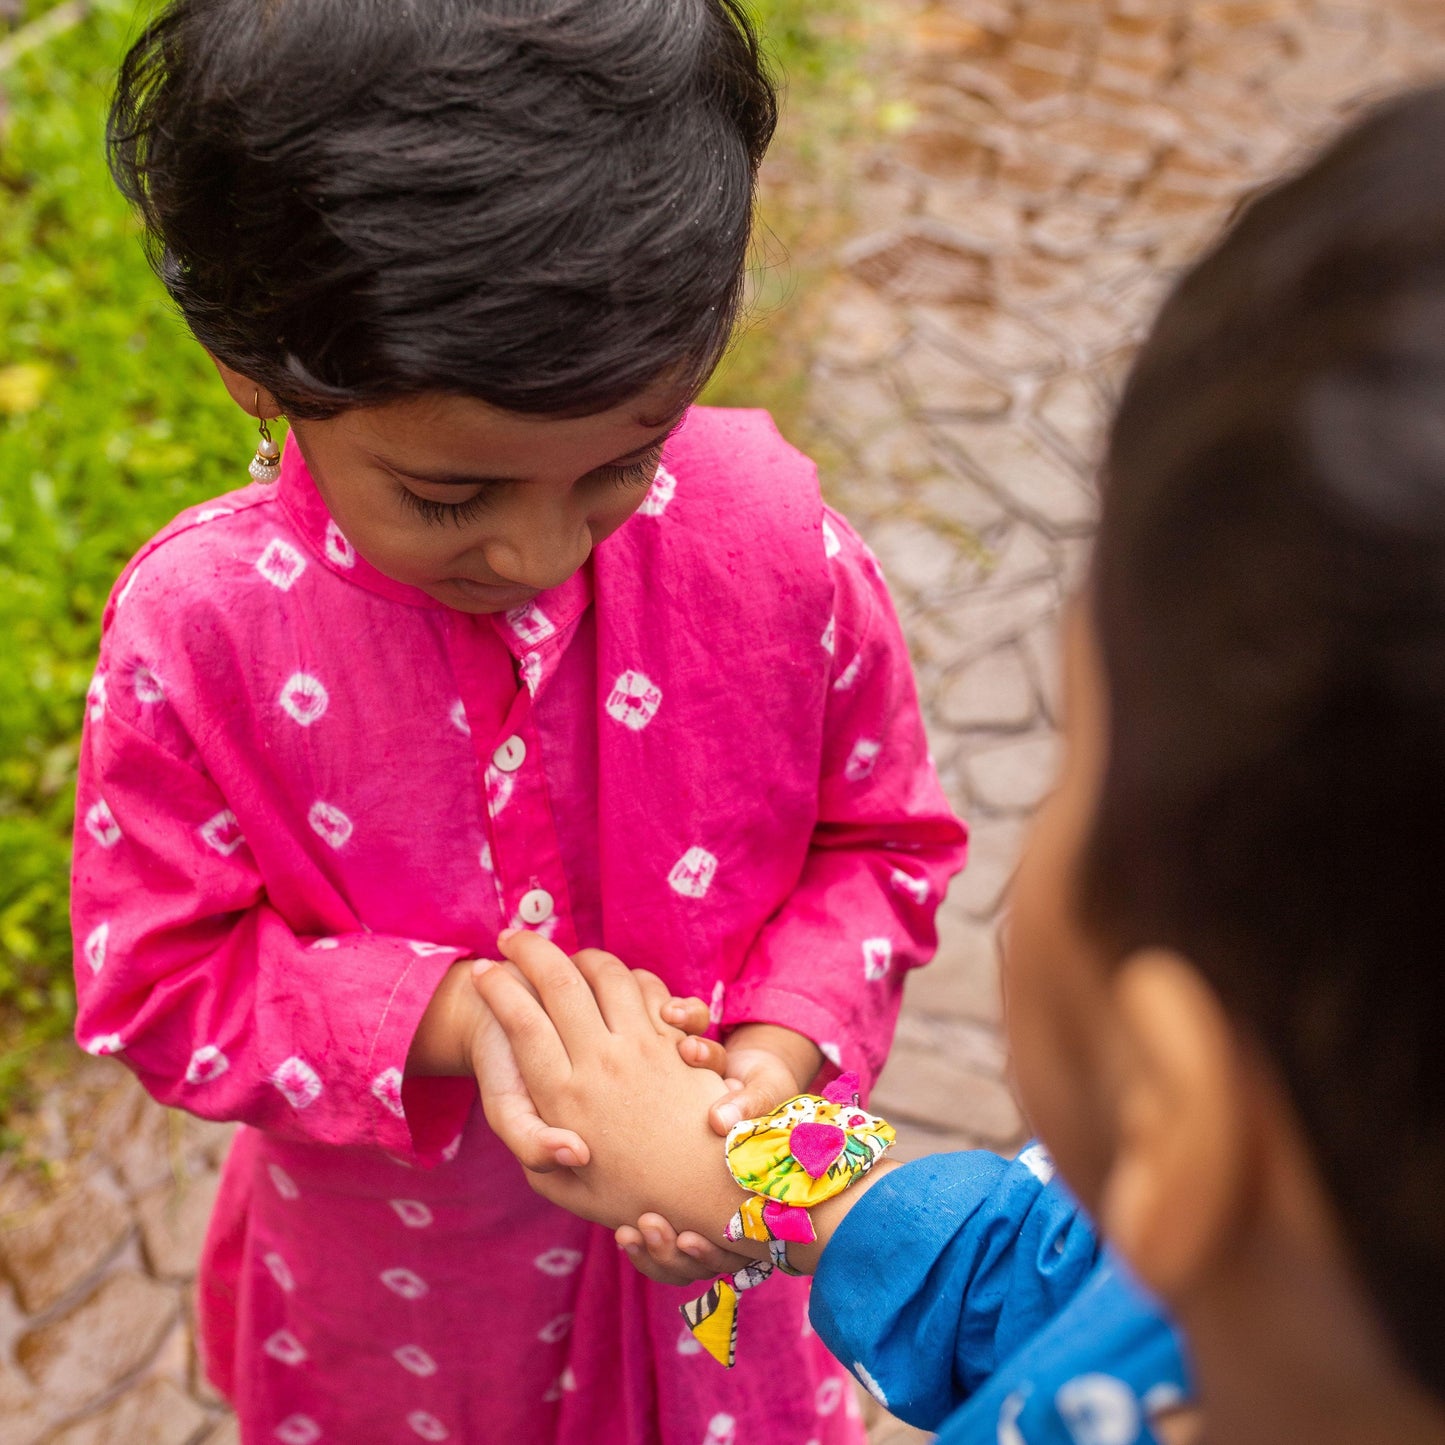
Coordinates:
x,y
459,479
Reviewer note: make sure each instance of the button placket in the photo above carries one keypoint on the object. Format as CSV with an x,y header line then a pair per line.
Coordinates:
x,y
525,851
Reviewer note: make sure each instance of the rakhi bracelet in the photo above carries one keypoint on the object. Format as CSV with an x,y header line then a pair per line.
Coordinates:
x,y
806,1151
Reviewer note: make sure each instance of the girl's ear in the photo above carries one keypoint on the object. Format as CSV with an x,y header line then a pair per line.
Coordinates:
x,y
1177,1186
245,392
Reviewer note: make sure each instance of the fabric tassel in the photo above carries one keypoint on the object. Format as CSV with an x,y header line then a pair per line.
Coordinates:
x,y
713,1317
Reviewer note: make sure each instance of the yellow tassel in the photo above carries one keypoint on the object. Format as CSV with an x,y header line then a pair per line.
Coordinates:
x,y
713,1320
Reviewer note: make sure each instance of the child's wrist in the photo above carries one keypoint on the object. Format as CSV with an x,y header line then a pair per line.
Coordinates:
x,y
797,1052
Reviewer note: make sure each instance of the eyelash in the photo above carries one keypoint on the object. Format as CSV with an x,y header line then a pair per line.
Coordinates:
x,y
634,474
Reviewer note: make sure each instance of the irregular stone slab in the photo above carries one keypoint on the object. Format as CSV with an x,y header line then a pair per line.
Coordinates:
x,y
914,265
992,857
962,982
78,1356
995,692
924,1087
156,1413
173,1225
1029,478
1014,776
53,1240
939,384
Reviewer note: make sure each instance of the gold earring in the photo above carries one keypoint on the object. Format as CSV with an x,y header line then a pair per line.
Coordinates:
x,y
266,464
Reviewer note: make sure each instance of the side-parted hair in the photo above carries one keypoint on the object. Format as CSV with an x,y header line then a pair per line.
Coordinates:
x,y
1269,594
543,204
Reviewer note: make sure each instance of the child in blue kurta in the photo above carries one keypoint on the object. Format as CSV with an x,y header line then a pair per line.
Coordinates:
x,y
1222,967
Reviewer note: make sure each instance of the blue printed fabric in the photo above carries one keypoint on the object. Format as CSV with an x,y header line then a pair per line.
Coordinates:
x,y
970,1295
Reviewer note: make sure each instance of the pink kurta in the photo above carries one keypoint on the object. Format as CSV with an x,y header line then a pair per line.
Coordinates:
x,y
306,790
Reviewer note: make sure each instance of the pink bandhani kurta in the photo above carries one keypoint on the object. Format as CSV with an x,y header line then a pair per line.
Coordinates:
x,y
306,790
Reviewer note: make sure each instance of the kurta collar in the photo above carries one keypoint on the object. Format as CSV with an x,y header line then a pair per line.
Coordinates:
x,y
548,619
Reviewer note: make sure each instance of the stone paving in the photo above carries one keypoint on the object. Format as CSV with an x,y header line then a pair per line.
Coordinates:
x,y
1049,166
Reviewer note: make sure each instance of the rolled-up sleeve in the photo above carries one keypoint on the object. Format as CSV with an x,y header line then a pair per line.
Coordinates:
x,y
187,972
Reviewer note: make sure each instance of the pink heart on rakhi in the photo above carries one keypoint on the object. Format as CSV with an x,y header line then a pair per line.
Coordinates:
x,y
816,1146
789,1222
844,1089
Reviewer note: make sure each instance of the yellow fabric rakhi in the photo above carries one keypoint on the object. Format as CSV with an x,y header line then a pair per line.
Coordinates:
x,y
807,1150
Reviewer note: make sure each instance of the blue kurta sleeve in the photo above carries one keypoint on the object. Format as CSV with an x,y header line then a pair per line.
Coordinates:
x,y
966,1280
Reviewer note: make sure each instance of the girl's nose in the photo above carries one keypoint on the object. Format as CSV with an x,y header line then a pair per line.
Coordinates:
x,y
539,552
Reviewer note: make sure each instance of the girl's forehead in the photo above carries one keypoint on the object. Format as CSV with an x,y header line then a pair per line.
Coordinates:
x,y
451,436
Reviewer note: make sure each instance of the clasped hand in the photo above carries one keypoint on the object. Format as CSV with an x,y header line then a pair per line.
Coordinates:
x,y
577,1058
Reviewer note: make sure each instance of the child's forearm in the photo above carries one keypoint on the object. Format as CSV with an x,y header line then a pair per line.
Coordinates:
x,y
444,1042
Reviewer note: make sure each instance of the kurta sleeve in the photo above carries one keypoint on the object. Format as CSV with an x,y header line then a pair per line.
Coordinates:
x,y
968,1279
831,962
189,974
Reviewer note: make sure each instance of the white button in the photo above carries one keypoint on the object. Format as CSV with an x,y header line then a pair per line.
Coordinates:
x,y
511,755
536,906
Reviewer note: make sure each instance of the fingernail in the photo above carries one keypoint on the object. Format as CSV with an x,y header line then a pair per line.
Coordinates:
x,y
567,1159
728,1114
653,1238
481,966
631,1248
692,1249
507,933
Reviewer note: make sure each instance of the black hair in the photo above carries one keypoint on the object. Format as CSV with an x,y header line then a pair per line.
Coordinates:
x,y
1269,595
544,204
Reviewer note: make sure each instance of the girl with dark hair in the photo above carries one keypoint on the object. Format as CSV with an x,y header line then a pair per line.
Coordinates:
x,y
1223,963
508,633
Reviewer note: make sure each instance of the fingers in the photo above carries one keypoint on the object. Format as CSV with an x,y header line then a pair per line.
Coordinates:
x,y
618,991
703,1054
536,1145
671,1259
536,1044
764,1080
657,1251
564,993
688,1014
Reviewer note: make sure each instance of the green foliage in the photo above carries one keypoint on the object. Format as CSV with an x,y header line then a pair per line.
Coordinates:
x,y
111,421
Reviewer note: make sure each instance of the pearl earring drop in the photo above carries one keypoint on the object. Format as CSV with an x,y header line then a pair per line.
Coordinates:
x,y
266,464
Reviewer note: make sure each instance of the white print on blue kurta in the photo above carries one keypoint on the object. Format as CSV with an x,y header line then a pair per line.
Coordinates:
x,y
1099,1410
634,700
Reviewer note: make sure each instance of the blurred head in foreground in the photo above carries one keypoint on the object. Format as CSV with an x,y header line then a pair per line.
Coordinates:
x,y
1224,972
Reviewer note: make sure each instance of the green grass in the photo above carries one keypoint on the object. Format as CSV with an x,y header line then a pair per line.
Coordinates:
x,y
111,420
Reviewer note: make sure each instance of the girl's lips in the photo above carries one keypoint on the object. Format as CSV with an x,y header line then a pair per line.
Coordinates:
x,y
494,594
